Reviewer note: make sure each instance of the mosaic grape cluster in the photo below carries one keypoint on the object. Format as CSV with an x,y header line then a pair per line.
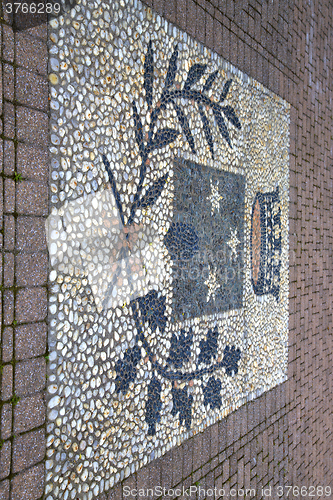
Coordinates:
x,y
168,242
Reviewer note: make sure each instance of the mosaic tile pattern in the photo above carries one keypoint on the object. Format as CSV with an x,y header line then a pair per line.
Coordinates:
x,y
168,243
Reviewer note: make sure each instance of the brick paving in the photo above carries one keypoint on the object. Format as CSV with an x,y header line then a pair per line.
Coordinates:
x,y
285,436
24,207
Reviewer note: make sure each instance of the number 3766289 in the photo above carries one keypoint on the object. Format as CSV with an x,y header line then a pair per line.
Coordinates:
x,y
32,8
304,491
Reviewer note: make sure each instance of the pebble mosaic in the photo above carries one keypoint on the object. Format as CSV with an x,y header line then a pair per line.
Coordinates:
x,y
168,241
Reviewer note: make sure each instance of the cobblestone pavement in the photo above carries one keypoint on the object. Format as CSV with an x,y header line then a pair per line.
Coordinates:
x,y
285,436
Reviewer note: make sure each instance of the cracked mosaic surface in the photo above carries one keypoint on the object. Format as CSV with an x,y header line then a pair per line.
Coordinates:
x,y
168,243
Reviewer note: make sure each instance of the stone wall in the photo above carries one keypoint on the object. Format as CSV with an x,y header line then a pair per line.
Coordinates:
x,y
283,437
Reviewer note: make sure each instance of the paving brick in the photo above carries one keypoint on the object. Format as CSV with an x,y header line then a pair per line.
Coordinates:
x,y
28,450
115,493
7,43
1,151
32,198
142,479
7,344
177,462
9,192
181,13
187,458
1,203
4,490
31,305
6,382
5,456
8,307
31,269
9,120
9,158
9,232
6,421
129,486
32,163
8,269
31,234
31,53
191,17
31,89
170,10
30,376
30,340
32,126
28,484
8,82
166,470
29,413
39,31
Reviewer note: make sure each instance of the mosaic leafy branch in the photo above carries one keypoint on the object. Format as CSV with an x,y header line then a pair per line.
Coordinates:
x,y
151,309
159,138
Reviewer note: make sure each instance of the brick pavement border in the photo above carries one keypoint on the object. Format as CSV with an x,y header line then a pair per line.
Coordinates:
x,y
24,265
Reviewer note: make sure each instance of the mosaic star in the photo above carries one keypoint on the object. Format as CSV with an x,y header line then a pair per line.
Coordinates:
x,y
212,284
215,197
233,243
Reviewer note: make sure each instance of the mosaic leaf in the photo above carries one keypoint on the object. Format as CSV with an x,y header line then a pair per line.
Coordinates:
x,y
153,405
194,75
180,350
152,307
126,369
207,131
225,90
171,75
138,128
208,347
212,393
181,241
231,359
221,124
210,81
231,115
114,187
163,138
185,127
149,75
182,404
153,193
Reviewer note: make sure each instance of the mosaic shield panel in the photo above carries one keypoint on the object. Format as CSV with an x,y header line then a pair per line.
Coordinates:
x,y
168,241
